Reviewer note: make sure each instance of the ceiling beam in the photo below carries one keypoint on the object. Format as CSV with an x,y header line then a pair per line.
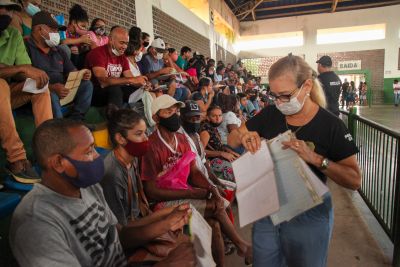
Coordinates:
x,y
334,5
252,10
326,10
298,5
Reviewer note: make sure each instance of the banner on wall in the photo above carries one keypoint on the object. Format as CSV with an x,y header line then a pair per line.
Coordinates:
x,y
349,65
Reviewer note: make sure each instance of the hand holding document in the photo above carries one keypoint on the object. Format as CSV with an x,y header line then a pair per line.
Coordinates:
x,y
30,87
256,193
72,84
276,182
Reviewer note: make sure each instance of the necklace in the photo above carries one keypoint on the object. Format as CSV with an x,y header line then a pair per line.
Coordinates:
x,y
295,132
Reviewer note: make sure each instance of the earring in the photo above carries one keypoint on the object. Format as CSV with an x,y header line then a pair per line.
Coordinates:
x,y
308,94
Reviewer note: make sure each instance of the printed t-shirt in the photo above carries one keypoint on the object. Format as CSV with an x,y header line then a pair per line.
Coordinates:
x,y
101,57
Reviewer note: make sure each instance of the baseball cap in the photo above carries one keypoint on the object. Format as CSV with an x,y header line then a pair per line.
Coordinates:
x,y
10,5
325,61
164,101
191,109
158,43
44,17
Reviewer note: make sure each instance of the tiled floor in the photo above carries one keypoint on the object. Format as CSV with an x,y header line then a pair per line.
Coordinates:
x,y
387,115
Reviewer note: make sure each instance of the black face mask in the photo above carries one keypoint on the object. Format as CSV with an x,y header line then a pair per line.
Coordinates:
x,y
5,21
146,44
172,123
215,125
191,127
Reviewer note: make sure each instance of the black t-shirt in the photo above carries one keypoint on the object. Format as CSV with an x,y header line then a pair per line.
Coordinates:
x,y
327,132
331,84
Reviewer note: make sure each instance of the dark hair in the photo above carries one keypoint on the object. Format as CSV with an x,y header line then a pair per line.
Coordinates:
x,y
185,49
212,108
395,81
204,82
241,95
121,121
171,50
114,27
145,35
135,33
219,68
132,47
93,24
52,137
77,13
228,103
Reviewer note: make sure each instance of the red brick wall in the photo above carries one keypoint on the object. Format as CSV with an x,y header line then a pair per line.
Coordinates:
x,y
177,34
372,60
113,12
224,55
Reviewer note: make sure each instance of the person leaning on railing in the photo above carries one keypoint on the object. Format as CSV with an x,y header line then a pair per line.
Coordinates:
x,y
323,141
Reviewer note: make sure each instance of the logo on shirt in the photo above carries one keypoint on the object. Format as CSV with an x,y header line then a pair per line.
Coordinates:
x,y
114,70
335,83
348,137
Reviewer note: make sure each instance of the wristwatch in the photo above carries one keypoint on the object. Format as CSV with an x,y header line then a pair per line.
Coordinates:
x,y
324,164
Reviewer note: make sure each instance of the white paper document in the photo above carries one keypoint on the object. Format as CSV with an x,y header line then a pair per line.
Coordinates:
x,y
256,193
295,189
201,237
73,82
30,87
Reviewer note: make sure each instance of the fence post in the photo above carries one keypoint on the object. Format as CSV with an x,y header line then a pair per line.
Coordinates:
x,y
396,217
351,122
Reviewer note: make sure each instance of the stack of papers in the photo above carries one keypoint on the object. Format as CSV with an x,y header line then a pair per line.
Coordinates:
x,y
275,182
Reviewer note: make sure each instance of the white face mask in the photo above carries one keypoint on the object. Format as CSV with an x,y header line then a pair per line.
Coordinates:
x,y
54,39
160,56
138,57
115,52
293,106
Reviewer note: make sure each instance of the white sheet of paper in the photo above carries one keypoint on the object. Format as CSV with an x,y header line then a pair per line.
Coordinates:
x,y
201,237
73,82
30,87
296,192
256,186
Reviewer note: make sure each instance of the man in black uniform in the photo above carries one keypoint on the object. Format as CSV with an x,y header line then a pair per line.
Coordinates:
x,y
331,84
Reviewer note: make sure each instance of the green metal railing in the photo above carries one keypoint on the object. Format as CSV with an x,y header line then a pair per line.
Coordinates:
x,y
380,167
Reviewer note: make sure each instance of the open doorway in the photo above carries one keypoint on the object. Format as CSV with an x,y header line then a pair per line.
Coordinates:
x,y
357,92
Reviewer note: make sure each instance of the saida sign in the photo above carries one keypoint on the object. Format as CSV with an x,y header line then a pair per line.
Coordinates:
x,y
349,65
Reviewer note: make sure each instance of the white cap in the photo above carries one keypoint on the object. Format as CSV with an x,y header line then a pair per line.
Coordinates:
x,y
158,43
164,101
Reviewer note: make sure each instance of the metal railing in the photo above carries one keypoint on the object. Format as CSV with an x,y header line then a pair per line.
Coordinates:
x,y
380,167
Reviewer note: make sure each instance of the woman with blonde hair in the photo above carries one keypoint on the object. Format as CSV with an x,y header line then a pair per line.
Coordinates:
x,y
322,141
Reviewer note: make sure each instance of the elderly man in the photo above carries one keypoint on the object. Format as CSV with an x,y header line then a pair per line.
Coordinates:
x,y
113,80
65,220
45,54
15,64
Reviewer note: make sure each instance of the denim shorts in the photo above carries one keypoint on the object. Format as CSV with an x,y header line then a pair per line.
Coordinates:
x,y
300,242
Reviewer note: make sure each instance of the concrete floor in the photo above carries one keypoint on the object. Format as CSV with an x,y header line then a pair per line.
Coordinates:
x,y
352,243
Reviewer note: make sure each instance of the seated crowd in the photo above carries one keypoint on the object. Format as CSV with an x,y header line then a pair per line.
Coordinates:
x,y
168,112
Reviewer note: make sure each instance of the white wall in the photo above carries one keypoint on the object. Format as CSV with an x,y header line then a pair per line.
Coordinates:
x,y
144,19
310,23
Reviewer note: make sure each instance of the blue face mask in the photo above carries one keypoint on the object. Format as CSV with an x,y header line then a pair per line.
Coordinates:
x,y
89,172
31,9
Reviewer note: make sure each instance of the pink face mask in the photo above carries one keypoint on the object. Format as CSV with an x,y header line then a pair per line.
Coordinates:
x,y
80,31
174,57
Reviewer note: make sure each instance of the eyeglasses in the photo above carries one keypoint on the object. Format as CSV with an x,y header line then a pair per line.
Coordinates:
x,y
284,98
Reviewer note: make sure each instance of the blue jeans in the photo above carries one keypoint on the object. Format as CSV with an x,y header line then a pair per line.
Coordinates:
x,y
181,93
81,103
301,242
396,98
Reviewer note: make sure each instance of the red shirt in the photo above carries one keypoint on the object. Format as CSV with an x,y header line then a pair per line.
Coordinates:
x,y
101,57
159,158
